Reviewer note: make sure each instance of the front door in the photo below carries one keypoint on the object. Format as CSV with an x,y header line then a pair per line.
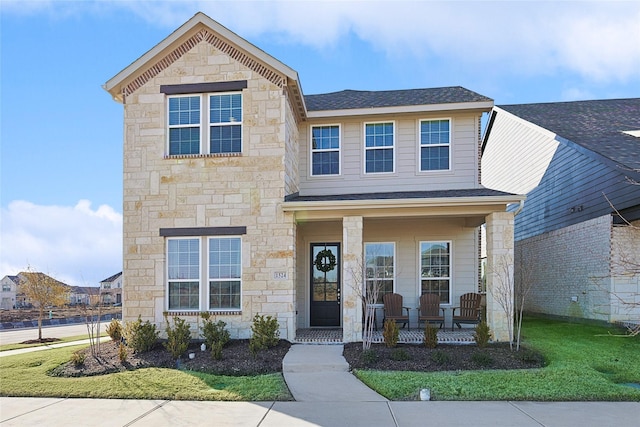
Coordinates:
x,y
325,284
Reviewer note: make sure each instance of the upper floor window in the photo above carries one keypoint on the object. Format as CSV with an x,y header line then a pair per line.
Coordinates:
x,y
435,144
325,150
378,145
435,269
6,288
222,112
380,261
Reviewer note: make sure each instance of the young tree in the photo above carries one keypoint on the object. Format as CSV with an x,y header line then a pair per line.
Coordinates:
x,y
502,290
42,291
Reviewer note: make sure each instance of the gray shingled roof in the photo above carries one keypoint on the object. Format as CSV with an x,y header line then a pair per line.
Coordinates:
x,y
111,278
473,192
352,99
595,125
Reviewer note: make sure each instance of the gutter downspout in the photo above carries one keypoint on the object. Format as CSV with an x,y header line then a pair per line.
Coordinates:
x,y
520,207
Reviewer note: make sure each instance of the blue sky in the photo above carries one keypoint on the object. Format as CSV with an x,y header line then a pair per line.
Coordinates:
x,y
61,134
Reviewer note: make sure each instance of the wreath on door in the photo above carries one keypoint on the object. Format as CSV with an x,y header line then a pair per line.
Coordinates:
x,y
325,260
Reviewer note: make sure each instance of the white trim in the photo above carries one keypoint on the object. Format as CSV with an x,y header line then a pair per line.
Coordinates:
x,y
365,148
451,272
168,126
420,146
207,116
311,150
403,109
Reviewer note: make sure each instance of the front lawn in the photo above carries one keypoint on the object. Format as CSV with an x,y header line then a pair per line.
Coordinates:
x,y
584,363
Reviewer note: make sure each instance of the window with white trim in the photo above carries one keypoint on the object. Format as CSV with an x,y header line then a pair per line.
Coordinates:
x,y
183,273
380,268
325,150
435,269
378,146
435,145
225,272
221,111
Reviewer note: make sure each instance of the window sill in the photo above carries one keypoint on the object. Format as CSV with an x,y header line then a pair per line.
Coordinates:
x,y
198,312
201,156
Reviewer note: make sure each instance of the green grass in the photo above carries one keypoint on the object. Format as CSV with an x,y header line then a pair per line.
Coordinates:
x,y
7,347
584,363
26,375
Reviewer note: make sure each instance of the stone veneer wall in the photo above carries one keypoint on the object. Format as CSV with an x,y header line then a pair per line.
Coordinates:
x,y
568,270
244,190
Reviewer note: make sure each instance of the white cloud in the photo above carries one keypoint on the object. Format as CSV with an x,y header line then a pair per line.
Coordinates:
x,y
75,244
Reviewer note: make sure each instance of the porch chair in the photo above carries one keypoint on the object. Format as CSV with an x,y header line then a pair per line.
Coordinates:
x,y
393,310
469,310
430,310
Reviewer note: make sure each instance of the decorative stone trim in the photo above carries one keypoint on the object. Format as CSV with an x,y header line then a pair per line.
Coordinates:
x,y
198,313
201,156
254,65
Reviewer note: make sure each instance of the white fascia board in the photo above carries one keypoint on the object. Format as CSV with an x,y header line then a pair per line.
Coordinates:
x,y
198,18
401,203
403,109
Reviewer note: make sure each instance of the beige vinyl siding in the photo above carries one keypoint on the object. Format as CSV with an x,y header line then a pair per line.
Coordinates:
x,y
407,174
518,155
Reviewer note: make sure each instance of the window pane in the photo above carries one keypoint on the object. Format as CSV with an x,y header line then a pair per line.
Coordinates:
x,y
225,108
379,268
326,163
224,295
184,141
325,137
435,264
224,258
379,160
434,158
184,110
379,135
183,259
184,296
226,139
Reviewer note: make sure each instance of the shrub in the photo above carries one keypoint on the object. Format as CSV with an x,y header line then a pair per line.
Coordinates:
x,y
440,357
264,333
390,333
122,352
114,330
430,335
178,337
529,356
369,356
482,334
140,336
400,354
481,358
77,357
215,336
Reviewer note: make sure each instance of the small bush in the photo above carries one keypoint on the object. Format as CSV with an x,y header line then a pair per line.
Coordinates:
x,y
114,330
77,358
390,333
440,357
140,336
430,335
215,336
482,334
178,337
481,358
369,356
399,355
264,333
122,352
529,356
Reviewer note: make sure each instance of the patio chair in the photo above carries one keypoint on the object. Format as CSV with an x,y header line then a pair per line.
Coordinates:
x,y
469,310
393,309
430,310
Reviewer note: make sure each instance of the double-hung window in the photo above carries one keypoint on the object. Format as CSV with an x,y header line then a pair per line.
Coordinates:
x,y
378,146
225,273
217,287
325,150
222,115
184,125
435,145
380,271
435,269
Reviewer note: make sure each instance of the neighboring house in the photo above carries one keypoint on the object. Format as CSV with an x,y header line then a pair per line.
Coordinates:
x,y
111,289
9,290
21,298
84,295
578,235
243,196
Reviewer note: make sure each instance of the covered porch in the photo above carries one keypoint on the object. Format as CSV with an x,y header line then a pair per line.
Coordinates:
x,y
412,245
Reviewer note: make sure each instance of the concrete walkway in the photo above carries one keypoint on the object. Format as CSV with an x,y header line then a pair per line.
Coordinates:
x,y
319,373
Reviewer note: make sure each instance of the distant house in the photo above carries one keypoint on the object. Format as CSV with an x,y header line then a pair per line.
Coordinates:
x,y
21,298
578,235
111,289
243,196
9,290
84,295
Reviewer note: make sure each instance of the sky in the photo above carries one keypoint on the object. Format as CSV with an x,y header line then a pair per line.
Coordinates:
x,y
61,133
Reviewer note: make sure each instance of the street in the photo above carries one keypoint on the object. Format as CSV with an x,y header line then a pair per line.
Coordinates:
x,y
19,335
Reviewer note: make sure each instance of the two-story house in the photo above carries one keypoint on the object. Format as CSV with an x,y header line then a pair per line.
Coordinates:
x,y
9,290
111,289
244,196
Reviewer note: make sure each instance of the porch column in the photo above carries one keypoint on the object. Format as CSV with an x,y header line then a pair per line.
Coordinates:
x,y
499,274
351,278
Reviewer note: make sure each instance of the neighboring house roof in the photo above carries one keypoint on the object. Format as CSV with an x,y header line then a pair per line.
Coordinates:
x,y
85,290
355,99
598,126
40,276
111,278
445,194
14,279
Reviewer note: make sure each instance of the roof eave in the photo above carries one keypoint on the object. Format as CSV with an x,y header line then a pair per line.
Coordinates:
x,y
402,109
